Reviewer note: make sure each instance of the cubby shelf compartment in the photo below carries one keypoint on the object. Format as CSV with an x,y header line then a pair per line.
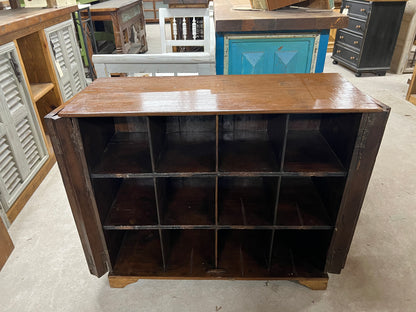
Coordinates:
x,y
307,152
250,143
126,153
300,205
187,253
183,143
299,253
134,205
117,147
139,253
246,201
186,201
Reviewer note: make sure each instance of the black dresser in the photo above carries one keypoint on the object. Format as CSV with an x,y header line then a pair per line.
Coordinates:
x,y
368,42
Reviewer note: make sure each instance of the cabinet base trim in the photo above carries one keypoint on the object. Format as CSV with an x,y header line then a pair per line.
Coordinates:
x,y
313,283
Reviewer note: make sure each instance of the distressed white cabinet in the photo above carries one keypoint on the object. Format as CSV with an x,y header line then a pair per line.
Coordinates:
x,y
67,58
22,149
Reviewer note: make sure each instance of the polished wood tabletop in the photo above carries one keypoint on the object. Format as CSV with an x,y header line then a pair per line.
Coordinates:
x,y
198,95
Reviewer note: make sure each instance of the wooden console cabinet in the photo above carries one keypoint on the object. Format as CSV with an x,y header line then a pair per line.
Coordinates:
x,y
249,177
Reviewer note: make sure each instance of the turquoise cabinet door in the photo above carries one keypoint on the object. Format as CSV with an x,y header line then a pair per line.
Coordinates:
x,y
270,55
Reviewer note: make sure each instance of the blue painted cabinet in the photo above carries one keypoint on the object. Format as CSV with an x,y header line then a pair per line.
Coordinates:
x,y
270,54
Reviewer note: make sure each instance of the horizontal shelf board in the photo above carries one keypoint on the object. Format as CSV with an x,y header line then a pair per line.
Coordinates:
x,y
217,227
188,152
308,151
189,201
221,94
135,204
40,89
300,204
247,155
216,174
127,152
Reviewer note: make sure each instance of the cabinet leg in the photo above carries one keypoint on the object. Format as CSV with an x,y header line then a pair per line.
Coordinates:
x,y
381,73
334,62
121,281
357,74
314,283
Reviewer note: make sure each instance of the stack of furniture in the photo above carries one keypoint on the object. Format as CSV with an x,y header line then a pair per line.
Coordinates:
x,y
40,68
367,44
196,63
127,20
267,42
248,177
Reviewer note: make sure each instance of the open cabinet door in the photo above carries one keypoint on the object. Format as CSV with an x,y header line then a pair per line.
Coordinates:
x,y
68,148
6,244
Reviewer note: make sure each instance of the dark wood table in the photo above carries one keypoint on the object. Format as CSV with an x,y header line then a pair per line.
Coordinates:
x,y
128,22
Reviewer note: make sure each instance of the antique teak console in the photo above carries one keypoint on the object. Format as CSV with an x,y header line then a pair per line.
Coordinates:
x,y
217,177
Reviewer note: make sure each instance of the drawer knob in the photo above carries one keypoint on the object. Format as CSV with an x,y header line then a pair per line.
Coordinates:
x,y
358,26
347,6
352,57
341,37
355,42
338,51
362,10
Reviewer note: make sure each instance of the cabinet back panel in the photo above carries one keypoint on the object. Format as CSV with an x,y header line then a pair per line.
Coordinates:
x,y
130,124
304,122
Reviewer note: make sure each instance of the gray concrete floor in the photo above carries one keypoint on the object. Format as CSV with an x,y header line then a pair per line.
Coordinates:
x,y
47,270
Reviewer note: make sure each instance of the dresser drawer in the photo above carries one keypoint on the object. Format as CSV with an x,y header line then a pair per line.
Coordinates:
x,y
359,8
346,54
356,25
354,41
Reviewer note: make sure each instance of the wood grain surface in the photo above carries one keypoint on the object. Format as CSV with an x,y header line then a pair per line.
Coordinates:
x,y
210,95
227,18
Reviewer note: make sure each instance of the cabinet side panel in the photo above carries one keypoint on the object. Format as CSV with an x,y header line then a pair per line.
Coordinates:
x,y
365,152
66,142
382,30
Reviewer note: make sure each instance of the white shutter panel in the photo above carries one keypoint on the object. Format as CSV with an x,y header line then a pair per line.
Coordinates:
x,y
22,150
68,62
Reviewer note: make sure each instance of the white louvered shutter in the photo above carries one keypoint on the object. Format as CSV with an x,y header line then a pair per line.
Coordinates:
x,y
68,63
22,150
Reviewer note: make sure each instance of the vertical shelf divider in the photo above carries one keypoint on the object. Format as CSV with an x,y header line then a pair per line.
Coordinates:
x,y
216,186
282,161
150,128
